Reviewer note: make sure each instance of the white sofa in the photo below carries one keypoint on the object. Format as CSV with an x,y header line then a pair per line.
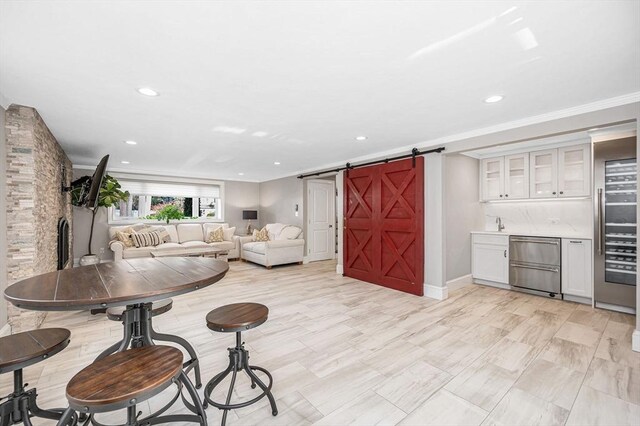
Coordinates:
x,y
184,236
285,245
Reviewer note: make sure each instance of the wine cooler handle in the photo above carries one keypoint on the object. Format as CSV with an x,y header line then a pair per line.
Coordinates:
x,y
600,219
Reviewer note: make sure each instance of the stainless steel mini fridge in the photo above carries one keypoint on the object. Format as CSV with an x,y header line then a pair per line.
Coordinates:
x,y
615,244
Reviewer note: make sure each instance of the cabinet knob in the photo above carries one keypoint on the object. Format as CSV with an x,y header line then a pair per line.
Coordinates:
x,y
505,253
506,195
561,192
500,195
554,193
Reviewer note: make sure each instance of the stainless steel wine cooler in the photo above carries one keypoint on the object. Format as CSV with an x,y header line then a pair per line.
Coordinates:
x,y
615,179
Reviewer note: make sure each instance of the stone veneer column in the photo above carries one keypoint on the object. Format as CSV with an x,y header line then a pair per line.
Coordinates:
x,y
34,202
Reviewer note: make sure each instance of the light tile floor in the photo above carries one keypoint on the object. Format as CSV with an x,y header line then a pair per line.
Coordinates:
x,y
346,352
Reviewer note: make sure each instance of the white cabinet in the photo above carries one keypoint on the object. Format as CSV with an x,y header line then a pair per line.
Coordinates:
x,y
492,178
576,267
544,173
516,176
574,168
551,173
490,258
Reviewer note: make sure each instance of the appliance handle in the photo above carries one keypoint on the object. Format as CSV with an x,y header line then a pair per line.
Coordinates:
x,y
600,219
539,268
527,240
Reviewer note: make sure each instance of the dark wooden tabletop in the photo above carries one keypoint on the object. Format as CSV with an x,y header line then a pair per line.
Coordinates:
x,y
22,347
121,283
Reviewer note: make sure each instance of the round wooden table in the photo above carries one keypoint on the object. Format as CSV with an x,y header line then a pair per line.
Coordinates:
x,y
134,283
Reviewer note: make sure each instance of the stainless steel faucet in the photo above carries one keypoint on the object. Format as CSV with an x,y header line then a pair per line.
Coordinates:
x,y
499,222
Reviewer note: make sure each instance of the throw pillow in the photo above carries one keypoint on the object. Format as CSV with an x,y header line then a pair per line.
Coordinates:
x,y
125,238
164,234
262,235
228,233
146,239
216,236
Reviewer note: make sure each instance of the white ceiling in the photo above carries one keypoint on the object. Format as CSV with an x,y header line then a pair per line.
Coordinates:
x,y
244,84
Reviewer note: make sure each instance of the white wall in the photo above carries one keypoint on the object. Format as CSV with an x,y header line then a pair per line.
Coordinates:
x,y
238,196
3,219
278,199
462,212
434,237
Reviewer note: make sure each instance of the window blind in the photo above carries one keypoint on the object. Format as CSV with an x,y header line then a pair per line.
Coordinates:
x,y
170,189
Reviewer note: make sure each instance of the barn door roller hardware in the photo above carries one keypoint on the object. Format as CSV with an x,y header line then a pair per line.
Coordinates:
x,y
414,153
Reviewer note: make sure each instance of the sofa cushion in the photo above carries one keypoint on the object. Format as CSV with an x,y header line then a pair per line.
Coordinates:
x,y
168,246
228,233
255,247
274,229
190,232
224,245
194,244
290,232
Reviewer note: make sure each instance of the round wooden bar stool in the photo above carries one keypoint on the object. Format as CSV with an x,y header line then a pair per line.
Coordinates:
x,y
21,350
125,379
236,318
139,332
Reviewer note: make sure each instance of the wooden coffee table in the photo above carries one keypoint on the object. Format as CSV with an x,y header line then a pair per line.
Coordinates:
x,y
195,252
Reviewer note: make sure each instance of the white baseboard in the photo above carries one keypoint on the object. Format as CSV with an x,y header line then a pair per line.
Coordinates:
x,y
577,299
5,330
459,282
305,260
635,341
340,269
435,292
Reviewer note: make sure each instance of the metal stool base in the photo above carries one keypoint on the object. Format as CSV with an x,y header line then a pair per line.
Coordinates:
x,y
239,361
21,405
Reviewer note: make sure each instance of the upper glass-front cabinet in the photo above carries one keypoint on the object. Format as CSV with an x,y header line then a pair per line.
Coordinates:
x,y
516,176
544,173
492,178
574,171
551,173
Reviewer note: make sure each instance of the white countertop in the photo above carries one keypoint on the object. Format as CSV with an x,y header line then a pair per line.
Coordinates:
x,y
507,233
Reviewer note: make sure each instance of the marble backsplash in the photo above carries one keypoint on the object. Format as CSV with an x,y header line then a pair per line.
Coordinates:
x,y
543,217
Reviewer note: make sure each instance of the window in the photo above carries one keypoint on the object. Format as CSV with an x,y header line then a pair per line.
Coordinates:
x,y
197,200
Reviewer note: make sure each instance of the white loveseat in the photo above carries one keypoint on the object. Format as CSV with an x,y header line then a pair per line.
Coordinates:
x,y
285,245
184,236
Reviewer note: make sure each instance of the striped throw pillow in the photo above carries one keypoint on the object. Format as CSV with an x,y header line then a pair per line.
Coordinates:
x,y
146,239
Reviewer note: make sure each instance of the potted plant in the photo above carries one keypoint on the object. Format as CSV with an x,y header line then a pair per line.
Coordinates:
x,y
169,212
110,195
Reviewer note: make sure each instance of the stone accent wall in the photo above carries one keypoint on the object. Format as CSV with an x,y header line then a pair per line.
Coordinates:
x,y
34,202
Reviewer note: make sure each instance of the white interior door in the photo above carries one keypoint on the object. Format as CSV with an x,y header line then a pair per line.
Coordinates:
x,y
321,234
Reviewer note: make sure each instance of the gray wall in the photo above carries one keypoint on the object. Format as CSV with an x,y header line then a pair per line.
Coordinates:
x,y
238,196
3,219
278,199
462,212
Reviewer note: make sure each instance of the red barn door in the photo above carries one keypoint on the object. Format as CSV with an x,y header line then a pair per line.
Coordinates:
x,y
383,225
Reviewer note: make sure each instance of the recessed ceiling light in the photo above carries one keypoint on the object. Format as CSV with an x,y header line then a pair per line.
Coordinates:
x,y
361,138
147,91
124,162
240,174
493,99
277,163
131,142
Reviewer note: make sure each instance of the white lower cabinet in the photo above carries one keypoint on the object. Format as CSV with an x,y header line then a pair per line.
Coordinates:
x,y
490,258
576,267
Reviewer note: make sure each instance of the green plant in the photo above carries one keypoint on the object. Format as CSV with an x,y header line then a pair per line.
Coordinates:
x,y
110,195
169,212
